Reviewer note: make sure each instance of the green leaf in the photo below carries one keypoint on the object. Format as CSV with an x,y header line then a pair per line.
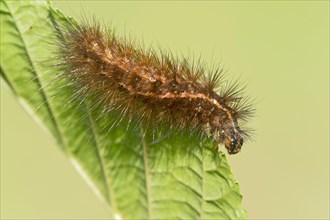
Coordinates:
x,y
174,177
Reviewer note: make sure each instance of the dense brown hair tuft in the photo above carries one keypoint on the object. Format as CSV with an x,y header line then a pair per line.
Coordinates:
x,y
152,89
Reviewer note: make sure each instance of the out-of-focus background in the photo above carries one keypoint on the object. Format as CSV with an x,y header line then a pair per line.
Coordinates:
x,y
281,49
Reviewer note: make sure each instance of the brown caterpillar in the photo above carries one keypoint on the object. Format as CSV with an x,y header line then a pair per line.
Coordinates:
x,y
153,89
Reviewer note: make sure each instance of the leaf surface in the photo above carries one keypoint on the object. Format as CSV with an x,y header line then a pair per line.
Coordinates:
x,y
137,176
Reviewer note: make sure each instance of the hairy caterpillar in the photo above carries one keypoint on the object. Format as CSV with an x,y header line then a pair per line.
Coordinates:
x,y
152,89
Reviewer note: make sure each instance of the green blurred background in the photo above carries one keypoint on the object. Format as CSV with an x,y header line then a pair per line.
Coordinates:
x,y
281,49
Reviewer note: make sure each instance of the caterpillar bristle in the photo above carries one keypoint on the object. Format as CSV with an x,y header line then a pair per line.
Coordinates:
x,y
152,88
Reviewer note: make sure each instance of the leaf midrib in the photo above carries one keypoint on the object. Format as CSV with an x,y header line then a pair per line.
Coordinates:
x,y
106,179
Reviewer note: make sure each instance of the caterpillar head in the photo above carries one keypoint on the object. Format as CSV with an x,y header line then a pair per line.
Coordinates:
x,y
229,134
233,139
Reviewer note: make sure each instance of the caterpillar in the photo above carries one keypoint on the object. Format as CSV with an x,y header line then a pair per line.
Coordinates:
x,y
153,88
